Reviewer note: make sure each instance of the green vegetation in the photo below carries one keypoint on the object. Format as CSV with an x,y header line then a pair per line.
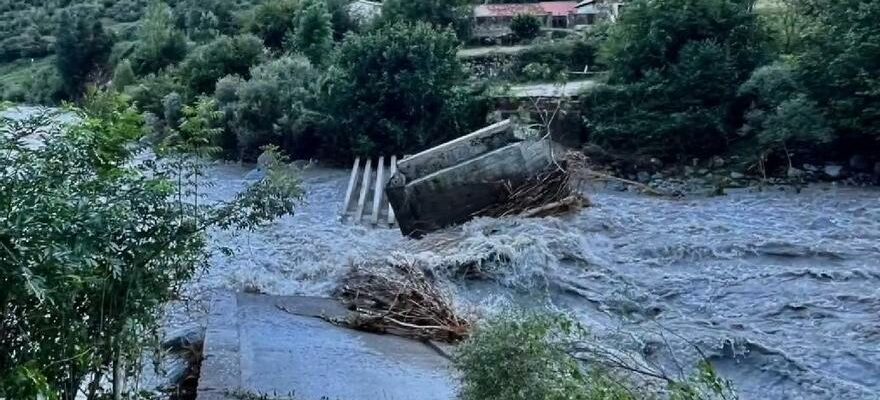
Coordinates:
x,y
525,27
526,356
92,244
83,47
314,35
393,90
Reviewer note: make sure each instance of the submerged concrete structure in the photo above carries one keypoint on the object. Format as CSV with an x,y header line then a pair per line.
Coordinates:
x,y
448,184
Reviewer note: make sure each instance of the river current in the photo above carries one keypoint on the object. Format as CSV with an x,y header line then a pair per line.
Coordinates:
x,y
781,291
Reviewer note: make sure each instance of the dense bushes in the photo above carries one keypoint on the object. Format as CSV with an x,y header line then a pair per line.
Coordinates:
x,y
453,14
314,33
392,89
223,56
273,21
525,26
839,67
94,244
528,356
82,47
160,43
675,66
275,106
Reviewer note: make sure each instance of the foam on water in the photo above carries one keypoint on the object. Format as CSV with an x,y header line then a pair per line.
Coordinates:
x,y
781,290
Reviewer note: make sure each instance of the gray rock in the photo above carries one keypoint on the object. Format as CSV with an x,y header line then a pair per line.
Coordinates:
x,y
265,160
703,171
737,175
810,167
858,162
717,162
833,171
688,170
643,177
794,172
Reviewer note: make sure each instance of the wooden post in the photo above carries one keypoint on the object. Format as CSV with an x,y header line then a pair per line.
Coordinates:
x,y
352,182
379,189
393,171
365,187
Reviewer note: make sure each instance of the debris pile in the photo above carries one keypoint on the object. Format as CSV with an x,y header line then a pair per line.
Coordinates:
x,y
401,300
553,192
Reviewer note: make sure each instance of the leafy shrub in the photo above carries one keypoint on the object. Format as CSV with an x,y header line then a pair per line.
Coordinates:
x,y
94,244
147,94
525,26
314,35
676,64
123,75
781,117
840,66
273,21
160,43
206,19
81,48
524,357
390,90
455,14
274,106
223,56
537,71
529,356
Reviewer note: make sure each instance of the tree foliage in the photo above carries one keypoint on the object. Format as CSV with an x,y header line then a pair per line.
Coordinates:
x,y
273,21
92,244
392,89
453,14
160,43
840,66
675,66
274,106
82,47
314,34
525,26
223,56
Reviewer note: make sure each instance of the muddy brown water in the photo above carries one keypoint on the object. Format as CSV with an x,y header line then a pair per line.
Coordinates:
x,y
780,290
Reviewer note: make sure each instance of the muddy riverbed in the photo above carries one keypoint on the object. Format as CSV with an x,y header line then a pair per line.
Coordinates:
x,y
780,290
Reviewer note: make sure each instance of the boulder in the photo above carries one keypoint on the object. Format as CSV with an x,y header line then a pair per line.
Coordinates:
x,y
833,171
794,172
737,175
265,160
643,177
717,162
810,167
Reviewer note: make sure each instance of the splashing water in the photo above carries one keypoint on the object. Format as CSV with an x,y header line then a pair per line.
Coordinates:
x,y
781,290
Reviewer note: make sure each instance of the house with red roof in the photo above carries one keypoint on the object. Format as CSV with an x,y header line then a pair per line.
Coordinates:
x,y
492,20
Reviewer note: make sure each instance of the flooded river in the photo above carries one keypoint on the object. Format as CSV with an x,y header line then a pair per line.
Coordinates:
x,y
780,290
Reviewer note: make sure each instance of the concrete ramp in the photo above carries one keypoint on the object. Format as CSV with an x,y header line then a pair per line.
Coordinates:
x,y
284,348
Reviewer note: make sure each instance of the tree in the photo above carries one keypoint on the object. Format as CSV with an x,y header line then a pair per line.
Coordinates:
x,y
223,56
525,26
274,106
674,68
82,47
273,20
160,43
123,75
441,13
94,244
391,90
840,66
314,35
781,116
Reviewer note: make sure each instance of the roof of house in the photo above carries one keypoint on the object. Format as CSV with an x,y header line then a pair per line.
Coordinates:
x,y
554,8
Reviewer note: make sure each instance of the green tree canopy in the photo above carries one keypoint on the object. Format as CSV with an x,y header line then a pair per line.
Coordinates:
x,y
314,34
160,43
525,26
442,13
392,89
273,21
82,47
675,66
223,56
